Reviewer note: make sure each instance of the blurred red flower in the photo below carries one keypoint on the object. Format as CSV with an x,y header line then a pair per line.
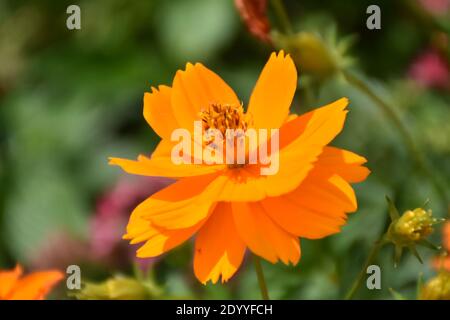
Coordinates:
x,y
254,14
112,214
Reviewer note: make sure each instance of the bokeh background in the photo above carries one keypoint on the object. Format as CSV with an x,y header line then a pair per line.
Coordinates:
x,y
70,99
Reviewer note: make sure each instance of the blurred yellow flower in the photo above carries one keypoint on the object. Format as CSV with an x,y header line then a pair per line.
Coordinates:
x,y
119,288
438,288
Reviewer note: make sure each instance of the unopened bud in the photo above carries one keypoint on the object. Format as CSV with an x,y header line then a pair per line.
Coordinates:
x,y
412,226
317,55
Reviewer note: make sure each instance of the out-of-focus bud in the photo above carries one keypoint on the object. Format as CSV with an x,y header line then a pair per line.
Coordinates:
x,y
438,288
119,288
254,14
410,229
317,55
412,226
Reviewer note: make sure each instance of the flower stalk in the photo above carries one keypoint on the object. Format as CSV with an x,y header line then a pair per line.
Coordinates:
x,y
261,278
282,16
370,259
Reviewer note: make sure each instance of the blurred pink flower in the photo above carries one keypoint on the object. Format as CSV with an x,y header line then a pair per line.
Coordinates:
x,y
437,7
430,70
112,213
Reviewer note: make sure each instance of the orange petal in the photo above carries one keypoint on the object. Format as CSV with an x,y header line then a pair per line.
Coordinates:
x,y
8,280
262,235
180,193
273,93
163,149
165,240
317,127
301,220
318,207
158,111
159,239
36,285
163,167
301,142
196,88
182,204
219,250
344,163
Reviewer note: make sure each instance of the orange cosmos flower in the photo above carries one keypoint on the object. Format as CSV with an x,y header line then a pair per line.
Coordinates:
x,y
233,207
33,286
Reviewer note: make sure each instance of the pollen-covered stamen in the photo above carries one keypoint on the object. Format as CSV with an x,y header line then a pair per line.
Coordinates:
x,y
223,117
232,123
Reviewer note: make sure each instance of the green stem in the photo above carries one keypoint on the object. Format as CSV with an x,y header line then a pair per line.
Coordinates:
x,y
412,147
261,279
370,259
282,16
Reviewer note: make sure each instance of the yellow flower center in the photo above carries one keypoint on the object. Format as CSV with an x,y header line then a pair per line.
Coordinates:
x,y
223,117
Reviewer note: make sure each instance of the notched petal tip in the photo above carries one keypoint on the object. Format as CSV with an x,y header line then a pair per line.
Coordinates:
x,y
189,65
343,102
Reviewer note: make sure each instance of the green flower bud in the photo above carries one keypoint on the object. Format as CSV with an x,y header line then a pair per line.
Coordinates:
x,y
410,229
412,226
317,55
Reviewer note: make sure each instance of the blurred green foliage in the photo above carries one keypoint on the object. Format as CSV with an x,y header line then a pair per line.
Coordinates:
x,y
69,99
